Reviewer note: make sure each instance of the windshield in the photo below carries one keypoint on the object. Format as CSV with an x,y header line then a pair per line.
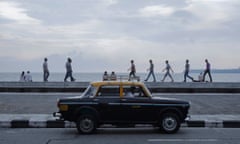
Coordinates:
x,y
147,90
90,91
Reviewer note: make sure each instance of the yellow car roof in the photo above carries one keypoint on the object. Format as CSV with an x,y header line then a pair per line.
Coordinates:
x,y
122,83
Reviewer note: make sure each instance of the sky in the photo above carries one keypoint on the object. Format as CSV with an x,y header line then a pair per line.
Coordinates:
x,y
104,35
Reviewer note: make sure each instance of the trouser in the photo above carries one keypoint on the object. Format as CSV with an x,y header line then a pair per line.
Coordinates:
x,y
132,73
186,75
167,74
45,76
69,74
209,74
149,74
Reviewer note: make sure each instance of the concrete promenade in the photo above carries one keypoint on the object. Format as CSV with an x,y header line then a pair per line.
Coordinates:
x,y
158,87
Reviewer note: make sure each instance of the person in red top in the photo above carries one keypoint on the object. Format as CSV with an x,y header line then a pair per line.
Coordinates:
x,y
132,70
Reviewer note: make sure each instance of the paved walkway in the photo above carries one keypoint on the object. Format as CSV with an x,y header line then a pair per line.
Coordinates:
x,y
48,121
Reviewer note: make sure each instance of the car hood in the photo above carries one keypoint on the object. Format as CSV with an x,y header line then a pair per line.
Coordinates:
x,y
70,99
168,100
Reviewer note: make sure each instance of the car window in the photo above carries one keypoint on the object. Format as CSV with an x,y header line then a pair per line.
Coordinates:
x,y
133,91
90,91
108,91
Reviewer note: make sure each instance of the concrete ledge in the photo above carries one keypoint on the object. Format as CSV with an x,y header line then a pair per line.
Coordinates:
x,y
158,87
231,124
43,86
195,123
47,121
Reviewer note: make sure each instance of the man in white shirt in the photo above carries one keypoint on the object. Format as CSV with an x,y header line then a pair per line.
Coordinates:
x,y
28,77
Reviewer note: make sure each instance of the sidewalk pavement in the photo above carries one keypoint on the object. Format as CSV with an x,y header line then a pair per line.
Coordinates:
x,y
48,121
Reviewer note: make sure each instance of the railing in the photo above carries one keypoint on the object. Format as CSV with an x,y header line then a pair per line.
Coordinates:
x,y
154,87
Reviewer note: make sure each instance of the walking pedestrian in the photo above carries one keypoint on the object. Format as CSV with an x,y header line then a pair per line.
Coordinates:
x,y
45,70
151,71
168,69
132,70
207,70
186,71
69,70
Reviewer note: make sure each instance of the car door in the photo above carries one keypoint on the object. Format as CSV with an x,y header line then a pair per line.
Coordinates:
x,y
108,100
137,108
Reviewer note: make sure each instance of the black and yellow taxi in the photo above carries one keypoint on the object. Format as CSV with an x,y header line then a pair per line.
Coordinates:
x,y
121,103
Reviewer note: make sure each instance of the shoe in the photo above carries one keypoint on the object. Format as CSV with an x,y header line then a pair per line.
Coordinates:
x,y
73,80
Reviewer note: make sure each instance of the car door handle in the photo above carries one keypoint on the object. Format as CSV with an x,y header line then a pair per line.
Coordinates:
x,y
136,106
123,100
96,100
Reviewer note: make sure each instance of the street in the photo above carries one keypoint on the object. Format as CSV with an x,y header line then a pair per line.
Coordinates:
x,y
46,103
120,136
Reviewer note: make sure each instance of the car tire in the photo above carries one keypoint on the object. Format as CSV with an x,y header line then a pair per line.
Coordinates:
x,y
169,123
86,124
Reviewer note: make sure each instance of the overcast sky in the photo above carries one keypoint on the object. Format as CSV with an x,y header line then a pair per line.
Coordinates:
x,y
104,35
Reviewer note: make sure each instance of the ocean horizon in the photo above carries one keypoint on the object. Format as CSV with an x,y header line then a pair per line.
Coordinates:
x,y
97,76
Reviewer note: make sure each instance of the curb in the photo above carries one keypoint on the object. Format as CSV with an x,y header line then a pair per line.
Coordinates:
x,y
214,124
36,124
64,124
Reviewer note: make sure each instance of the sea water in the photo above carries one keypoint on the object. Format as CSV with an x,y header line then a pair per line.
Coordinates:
x,y
88,77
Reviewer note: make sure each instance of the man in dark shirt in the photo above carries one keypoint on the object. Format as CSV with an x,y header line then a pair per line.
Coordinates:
x,y
69,70
207,71
151,71
186,72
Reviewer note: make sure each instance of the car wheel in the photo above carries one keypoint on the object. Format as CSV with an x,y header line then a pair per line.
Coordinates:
x,y
86,124
169,123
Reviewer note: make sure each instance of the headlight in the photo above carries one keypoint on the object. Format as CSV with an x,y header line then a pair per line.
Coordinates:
x,y
63,107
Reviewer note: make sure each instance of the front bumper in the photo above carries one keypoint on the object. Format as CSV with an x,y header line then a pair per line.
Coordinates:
x,y
58,116
187,118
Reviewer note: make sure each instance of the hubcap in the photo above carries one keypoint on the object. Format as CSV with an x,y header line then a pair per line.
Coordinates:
x,y
86,125
169,123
